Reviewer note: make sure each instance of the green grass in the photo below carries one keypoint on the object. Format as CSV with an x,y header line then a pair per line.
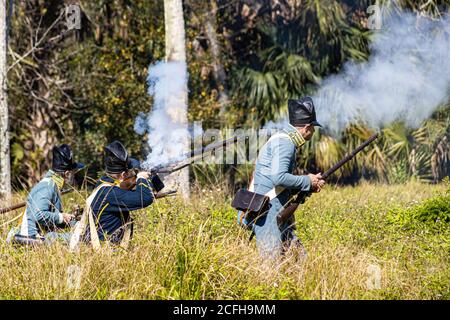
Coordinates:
x,y
196,251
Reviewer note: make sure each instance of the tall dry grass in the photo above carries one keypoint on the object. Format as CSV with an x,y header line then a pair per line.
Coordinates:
x,y
196,251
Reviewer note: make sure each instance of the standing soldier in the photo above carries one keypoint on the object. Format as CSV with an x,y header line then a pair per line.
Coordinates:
x,y
44,213
108,208
273,177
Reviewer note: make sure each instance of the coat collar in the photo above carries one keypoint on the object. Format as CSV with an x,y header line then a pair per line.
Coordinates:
x,y
295,136
108,179
56,178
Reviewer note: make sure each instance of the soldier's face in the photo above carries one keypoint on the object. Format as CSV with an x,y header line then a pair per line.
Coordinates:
x,y
311,129
69,178
128,180
307,131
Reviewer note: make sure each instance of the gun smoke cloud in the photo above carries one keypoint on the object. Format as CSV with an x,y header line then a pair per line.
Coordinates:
x,y
406,78
165,123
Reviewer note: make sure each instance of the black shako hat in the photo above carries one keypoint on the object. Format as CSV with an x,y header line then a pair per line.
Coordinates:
x,y
117,160
63,159
302,112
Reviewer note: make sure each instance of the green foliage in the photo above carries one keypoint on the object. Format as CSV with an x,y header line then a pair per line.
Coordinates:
x,y
115,87
433,212
397,172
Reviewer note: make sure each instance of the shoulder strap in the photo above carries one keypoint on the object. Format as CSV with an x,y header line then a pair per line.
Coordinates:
x,y
87,218
23,224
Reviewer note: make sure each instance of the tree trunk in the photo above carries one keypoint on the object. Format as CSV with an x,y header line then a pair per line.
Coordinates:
x,y
5,172
220,76
176,51
218,69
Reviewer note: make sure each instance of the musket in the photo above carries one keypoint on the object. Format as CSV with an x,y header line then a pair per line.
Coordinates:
x,y
180,164
158,195
23,204
169,193
185,160
289,210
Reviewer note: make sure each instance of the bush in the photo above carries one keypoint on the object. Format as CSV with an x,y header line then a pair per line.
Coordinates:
x,y
431,211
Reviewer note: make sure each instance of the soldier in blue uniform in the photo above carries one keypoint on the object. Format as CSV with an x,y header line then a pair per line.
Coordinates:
x,y
273,176
44,214
114,197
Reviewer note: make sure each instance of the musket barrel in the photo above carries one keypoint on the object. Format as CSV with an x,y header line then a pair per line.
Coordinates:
x,y
12,208
178,165
214,146
350,156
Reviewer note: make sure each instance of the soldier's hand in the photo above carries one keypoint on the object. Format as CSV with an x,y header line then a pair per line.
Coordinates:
x,y
143,174
67,217
316,181
320,185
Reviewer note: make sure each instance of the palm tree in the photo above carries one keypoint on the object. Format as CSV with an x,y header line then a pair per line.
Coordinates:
x,y
293,51
430,8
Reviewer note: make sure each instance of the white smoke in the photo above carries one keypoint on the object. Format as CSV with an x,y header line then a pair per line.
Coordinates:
x,y
277,125
166,124
406,78
140,124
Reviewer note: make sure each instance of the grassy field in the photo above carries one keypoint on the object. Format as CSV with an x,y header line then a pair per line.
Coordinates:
x,y
359,247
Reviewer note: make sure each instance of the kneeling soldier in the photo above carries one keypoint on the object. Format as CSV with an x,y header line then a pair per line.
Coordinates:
x,y
44,213
108,208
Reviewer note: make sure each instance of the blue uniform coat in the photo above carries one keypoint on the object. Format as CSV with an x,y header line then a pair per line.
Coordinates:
x,y
112,205
274,167
43,211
